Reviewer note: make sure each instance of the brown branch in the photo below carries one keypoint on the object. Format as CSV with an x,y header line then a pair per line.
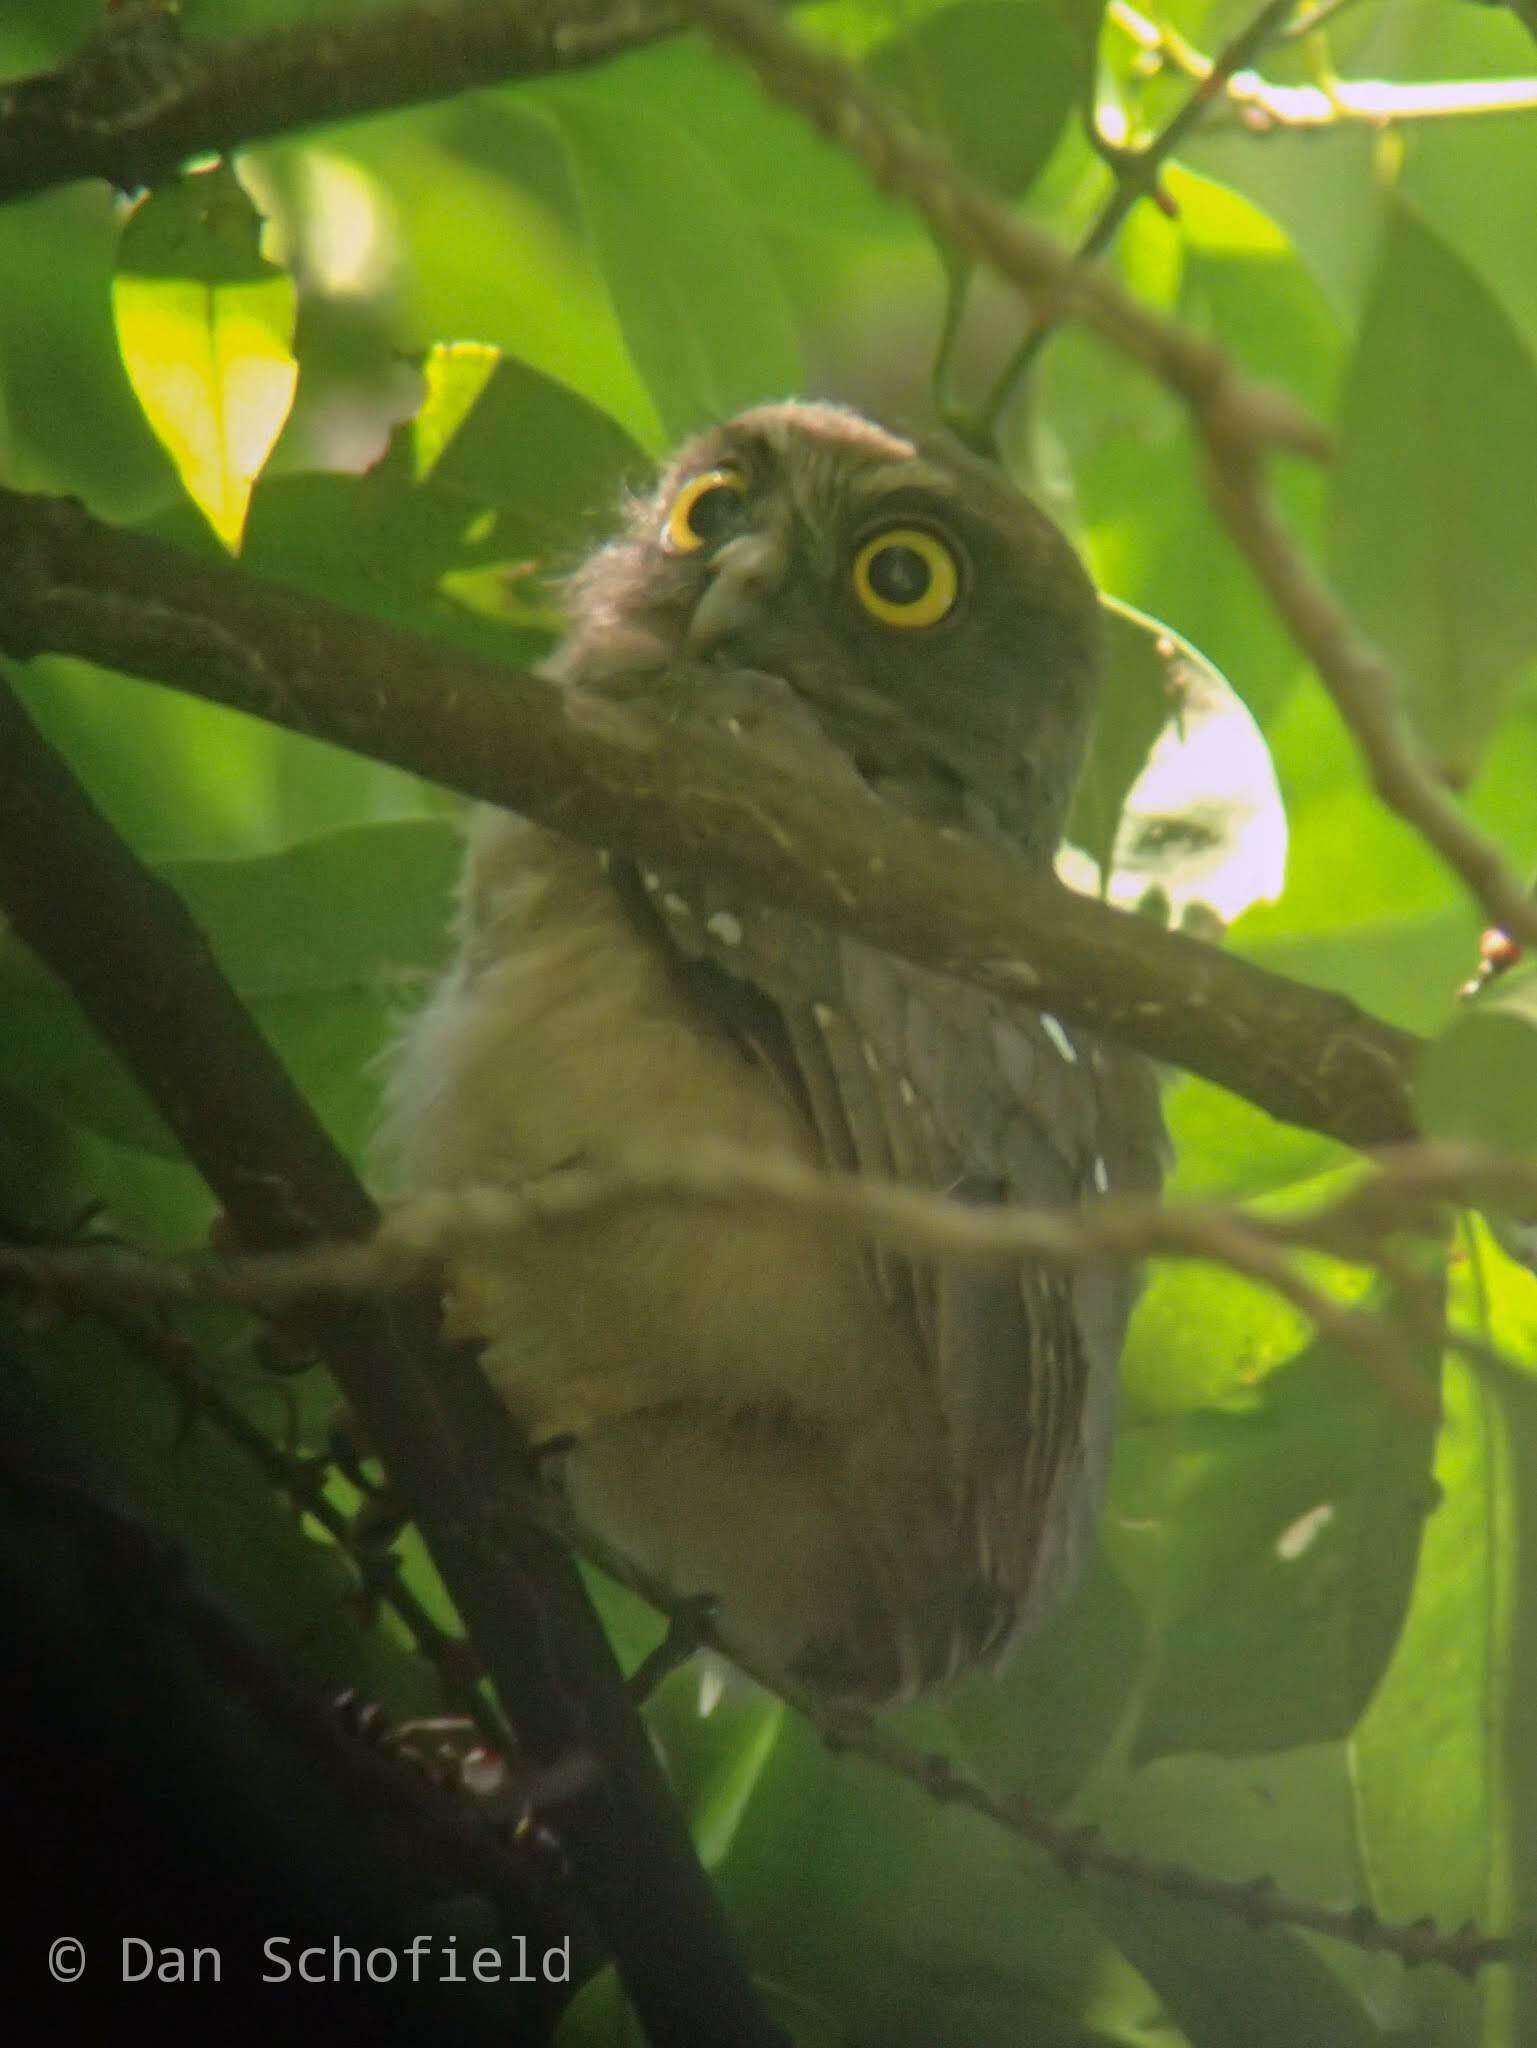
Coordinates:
x,y
669,795
1079,1851
174,1360
131,117
1136,173
1365,693
1239,422
1410,1192
965,217
142,973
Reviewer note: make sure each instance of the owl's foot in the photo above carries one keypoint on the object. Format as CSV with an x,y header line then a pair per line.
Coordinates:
x,y
690,1628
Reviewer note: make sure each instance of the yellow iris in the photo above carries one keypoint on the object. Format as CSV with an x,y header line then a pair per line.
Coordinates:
x,y
907,576
702,510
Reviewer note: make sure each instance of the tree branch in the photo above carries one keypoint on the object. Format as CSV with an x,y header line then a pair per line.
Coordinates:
x,y
142,973
1240,423
132,113
1409,1194
965,217
1080,1851
1136,173
666,794
1365,694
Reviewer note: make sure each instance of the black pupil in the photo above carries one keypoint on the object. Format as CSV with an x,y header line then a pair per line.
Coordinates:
x,y
899,575
713,512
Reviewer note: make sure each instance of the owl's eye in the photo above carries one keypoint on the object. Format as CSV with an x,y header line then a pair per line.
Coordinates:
x,y
906,576
705,510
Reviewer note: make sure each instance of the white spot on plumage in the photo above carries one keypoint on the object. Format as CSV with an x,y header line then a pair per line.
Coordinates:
x,y
1101,1174
723,926
1059,1038
1300,1535
674,905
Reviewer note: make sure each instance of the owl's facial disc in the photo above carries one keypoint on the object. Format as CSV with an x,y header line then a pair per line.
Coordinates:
x,y
904,576
938,626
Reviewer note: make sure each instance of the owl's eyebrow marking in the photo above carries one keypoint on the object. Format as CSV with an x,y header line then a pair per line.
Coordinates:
x,y
900,476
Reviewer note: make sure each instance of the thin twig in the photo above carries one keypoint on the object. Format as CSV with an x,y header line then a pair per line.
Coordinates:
x,y
1136,173
1365,692
1409,1193
1079,1851
1264,109
142,973
829,94
436,1837
1240,423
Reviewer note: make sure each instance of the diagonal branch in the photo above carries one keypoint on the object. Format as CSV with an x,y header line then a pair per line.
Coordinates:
x,y
1136,173
142,973
1080,1851
669,795
965,217
1240,422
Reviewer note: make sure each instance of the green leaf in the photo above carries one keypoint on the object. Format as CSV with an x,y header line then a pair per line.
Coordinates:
x,y
1282,1817
454,376
549,461
919,1927
1133,708
691,277
1273,1547
717,1735
962,74
1478,1080
1149,528
1445,1760
324,956
206,326
1438,417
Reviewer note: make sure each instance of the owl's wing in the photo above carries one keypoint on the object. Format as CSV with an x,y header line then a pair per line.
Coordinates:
x,y
909,1075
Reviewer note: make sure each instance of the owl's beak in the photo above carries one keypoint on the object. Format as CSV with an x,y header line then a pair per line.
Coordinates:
x,y
744,571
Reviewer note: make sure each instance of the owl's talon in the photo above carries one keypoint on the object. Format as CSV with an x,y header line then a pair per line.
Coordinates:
x,y
690,1628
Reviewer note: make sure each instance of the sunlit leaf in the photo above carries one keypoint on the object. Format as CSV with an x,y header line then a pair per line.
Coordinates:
x,y
1446,1785
1178,798
206,328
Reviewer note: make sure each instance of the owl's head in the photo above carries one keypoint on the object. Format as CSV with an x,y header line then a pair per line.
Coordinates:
x,y
939,625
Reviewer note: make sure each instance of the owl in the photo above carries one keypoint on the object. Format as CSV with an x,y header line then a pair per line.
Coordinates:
x,y
881,1470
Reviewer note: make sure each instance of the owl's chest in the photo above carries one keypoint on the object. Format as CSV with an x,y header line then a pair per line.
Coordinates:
x,y
577,1021
567,1036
